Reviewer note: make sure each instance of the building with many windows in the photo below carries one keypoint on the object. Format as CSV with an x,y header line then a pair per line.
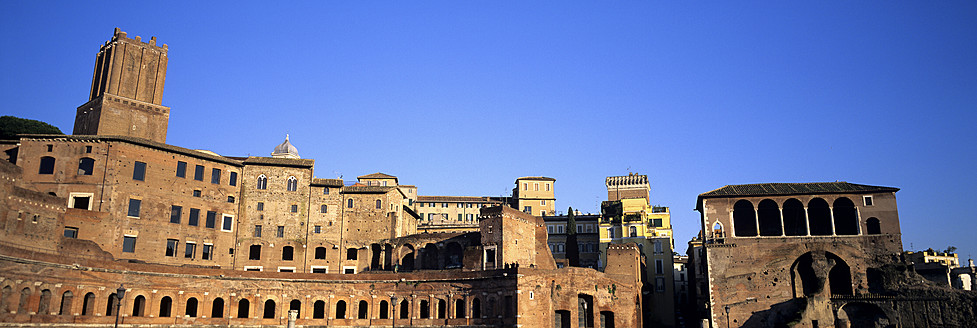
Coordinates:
x,y
631,219
113,221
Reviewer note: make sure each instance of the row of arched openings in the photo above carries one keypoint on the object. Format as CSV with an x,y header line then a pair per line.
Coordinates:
x,y
86,165
794,219
192,307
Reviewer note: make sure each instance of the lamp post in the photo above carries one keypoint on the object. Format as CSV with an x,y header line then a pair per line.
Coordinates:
x,y
727,315
119,294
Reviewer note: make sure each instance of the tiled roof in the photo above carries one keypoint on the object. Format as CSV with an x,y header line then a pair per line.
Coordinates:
x,y
377,175
327,182
454,199
763,189
140,142
294,162
360,189
536,178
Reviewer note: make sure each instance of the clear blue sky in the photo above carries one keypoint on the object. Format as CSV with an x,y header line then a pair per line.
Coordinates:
x,y
460,98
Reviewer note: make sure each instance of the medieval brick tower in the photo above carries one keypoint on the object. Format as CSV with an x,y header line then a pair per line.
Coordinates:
x,y
127,88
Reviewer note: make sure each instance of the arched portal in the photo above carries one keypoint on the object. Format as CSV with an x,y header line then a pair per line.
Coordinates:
x,y
795,220
846,217
859,314
873,226
139,306
407,259
744,219
430,257
819,217
768,215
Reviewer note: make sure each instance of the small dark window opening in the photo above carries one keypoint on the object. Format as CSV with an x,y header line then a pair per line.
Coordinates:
x,y
70,232
320,253
181,169
128,244
351,254
134,205
873,226
139,171
211,219
254,252
215,176
198,173
47,165
175,213
233,179
194,219
86,166
363,309
287,253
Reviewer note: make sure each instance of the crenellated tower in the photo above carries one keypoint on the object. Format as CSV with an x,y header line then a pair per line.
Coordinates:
x,y
127,89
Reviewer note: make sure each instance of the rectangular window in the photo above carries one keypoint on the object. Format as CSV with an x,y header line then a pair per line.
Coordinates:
x,y
257,230
317,229
325,191
460,217
280,232
658,223
431,204
215,176
139,171
207,252
660,284
211,219
286,269
134,207
659,267
324,208
294,208
460,205
868,200
527,209
547,187
81,201
88,149
260,206
198,173
252,268
230,199
549,229
181,169
189,250
319,269
70,232
171,245
542,202
228,222
233,179
196,193
175,213
128,244
351,254
444,204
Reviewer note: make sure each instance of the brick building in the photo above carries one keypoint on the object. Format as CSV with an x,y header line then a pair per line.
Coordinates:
x,y
196,238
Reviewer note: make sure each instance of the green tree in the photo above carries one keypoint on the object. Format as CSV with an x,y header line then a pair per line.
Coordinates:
x,y
573,250
11,126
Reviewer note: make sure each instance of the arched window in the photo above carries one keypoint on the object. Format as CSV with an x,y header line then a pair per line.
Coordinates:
x,y
47,165
292,184
874,228
744,219
262,182
476,308
191,310
139,306
846,217
404,309
66,299
297,306
243,308
341,310
287,253
795,220
86,166
269,310
320,253
459,308
768,215
318,310
44,306
165,305
442,309
217,311
111,304
384,310
819,217
425,309
717,231
25,295
349,203
88,304
632,231
378,204
363,309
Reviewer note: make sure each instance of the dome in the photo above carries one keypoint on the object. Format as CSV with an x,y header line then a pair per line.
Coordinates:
x,y
285,150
